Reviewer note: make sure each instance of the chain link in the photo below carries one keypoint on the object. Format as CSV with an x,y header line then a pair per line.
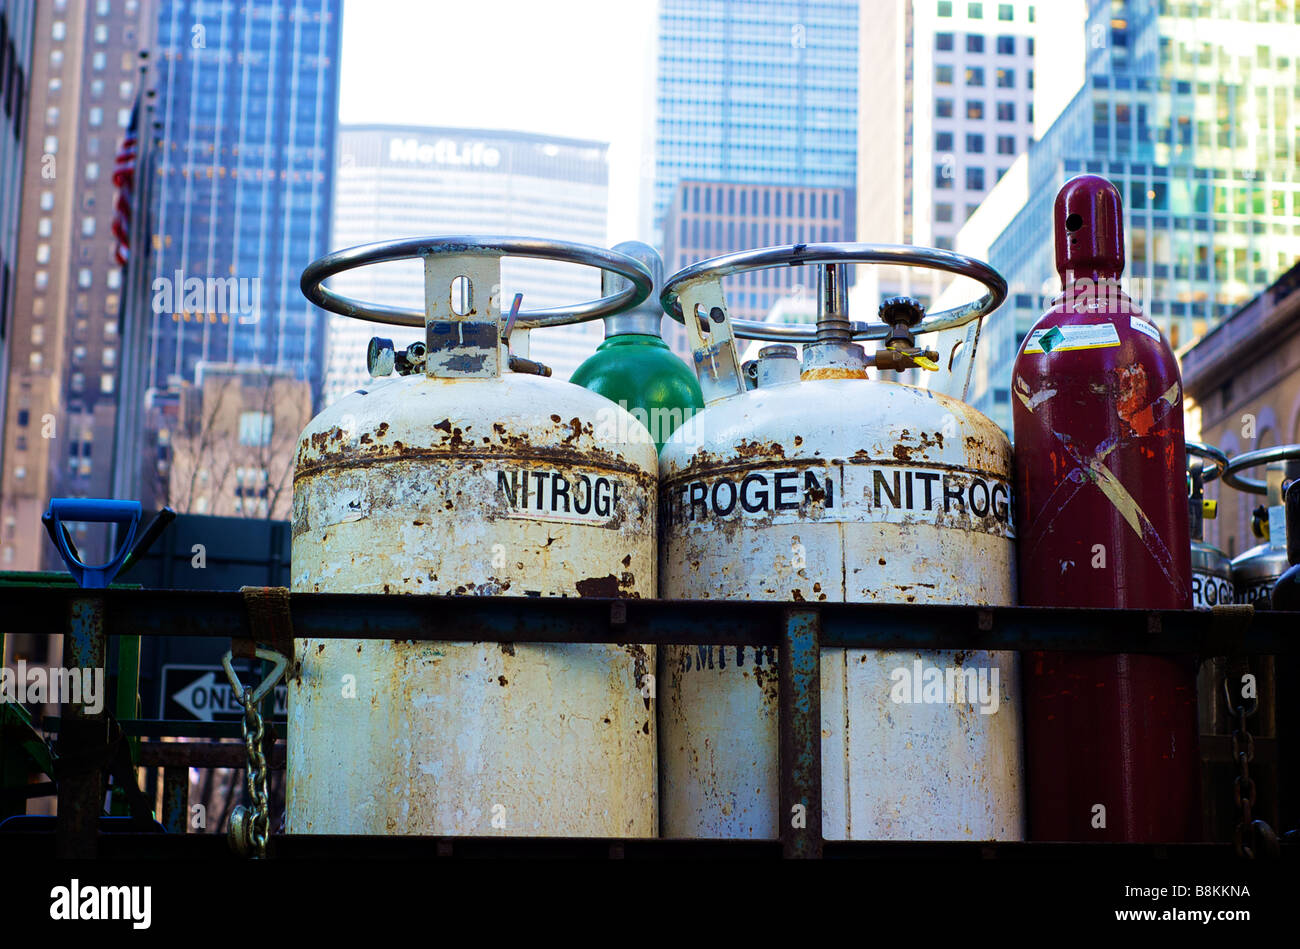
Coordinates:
x,y
249,827
1252,837
259,817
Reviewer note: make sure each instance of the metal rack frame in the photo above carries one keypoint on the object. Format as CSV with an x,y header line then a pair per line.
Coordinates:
x,y
799,630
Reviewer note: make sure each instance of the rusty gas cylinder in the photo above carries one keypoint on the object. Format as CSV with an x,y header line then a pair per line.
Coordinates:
x,y
824,485
1111,745
471,474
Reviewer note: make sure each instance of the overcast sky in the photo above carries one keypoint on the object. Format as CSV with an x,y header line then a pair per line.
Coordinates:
x,y
579,68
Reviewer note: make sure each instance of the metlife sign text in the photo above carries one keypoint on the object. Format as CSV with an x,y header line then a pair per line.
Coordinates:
x,y
444,151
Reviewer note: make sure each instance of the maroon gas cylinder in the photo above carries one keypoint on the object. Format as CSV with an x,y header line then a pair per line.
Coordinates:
x,y
1110,741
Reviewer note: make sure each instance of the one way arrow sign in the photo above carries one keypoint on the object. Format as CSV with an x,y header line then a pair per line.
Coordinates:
x,y
203,693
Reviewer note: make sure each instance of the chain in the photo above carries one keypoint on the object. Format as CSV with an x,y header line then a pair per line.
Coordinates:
x,y
259,817
249,826
1252,837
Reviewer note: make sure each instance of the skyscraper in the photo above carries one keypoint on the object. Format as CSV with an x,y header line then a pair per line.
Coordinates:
x,y
248,98
755,92
707,219
946,105
399,181
65,349
1192,111
17,25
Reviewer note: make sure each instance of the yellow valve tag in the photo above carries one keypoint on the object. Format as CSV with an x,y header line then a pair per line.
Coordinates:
x,y
925,363
1209,508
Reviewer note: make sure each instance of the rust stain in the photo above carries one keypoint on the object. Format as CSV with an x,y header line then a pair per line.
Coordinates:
x,y
606,586
830,373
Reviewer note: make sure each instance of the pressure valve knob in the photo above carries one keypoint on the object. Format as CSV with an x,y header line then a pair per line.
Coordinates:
x,y
382,359
900,351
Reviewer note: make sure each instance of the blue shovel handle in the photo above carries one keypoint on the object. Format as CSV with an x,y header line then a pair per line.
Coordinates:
x,y
96,510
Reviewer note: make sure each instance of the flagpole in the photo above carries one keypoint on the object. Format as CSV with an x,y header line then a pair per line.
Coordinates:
x,y
132,323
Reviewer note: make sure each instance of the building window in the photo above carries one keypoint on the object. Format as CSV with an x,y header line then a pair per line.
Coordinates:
x,y
974,179
943,108
88,226
92,171
98,62
85,278
943,212
42,253
1006,144
1006,111
974,43
51,145
942,143
974,109
59,32
975,11
47,200
974,144
943,75
1006,45
254,428
943,41
96,118
942,177
1006,78
974,76
945,7
943,243
106,383
1005,11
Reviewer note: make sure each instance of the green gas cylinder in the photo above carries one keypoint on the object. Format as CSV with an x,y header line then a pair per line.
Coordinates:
x,y
634,367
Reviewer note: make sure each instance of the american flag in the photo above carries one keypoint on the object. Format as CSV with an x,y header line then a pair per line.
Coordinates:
x,y
124,181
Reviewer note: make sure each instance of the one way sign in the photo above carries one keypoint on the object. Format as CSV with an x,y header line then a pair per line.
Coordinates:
x,y
204,693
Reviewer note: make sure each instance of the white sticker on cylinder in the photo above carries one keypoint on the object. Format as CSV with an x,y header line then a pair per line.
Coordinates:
x,y
1060,339
1142,326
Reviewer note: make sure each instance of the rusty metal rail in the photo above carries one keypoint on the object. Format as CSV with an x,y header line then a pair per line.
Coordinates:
x,y
800,630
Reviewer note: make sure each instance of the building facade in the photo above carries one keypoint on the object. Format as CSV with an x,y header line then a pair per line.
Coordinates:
x,y
709,218
65,347
241,203
1193,111
406,181
1243,391
947,103
755,92
233,441
17,28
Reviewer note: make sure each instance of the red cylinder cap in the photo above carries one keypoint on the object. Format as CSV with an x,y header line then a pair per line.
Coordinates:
x,y
1089,224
